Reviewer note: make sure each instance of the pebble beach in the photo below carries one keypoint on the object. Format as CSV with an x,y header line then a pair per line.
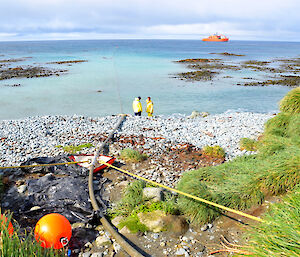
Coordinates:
x,y
32,137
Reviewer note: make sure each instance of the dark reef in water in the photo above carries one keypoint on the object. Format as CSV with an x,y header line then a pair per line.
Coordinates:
x,y
207,69
67,62
28,72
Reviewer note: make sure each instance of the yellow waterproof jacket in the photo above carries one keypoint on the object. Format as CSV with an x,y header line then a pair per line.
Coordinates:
x,y
149,107
136,105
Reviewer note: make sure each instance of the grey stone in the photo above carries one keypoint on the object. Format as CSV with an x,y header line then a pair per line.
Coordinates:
x,y
153,193
102,241
116,247
86,254
98,254
22,189
153,220
116,221
124,230
182,252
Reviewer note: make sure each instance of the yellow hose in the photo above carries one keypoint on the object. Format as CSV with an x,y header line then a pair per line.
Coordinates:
x,y
41,165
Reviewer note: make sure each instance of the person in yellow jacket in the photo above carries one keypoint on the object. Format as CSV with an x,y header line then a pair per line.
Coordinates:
x,y
137,106
149,108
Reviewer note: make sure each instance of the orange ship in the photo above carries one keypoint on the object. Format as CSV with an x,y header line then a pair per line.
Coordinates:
x,y
216,38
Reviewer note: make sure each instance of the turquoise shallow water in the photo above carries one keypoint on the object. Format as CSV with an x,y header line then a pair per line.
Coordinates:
x,y
132,68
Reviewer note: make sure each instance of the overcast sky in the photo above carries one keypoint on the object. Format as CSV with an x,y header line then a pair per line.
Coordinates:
x,y
167,19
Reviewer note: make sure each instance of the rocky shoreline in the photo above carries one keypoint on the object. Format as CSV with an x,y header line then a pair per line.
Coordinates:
x,y
173,145
38,136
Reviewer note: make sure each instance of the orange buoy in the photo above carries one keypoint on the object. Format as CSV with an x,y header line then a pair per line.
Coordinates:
x,y
53,230
10,227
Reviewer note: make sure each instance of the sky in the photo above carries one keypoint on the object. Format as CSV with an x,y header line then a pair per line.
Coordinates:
x,y
274,20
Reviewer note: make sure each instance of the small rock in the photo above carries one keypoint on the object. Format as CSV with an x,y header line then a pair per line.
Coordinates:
x,y
123,183
98,254
116,221
182,252
124,230
22,189
88,245
155,235
102,241
162,244
153,220
35,208
153,193
204,227
194,115
77,224
86,254
116,247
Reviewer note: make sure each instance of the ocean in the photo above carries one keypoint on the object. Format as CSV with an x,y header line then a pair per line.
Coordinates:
x,y
125,69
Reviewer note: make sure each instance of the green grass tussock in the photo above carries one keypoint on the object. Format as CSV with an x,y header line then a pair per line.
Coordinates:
x,y
278,125
248,144
293,130
131,155
214,151
279,235
245,181
283,173
229,184
291,102
23,244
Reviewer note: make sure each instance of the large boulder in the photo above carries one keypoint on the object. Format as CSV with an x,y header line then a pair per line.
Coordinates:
x,y
158,221
153,220
196,114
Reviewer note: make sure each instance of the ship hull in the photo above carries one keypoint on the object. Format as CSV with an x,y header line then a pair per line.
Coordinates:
x,y
215,40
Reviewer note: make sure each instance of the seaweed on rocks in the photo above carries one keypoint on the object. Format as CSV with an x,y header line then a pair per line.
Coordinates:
x,y
214,66
13,60
258,63
12,85
196,60
197,75
228,54
284,80
67,62
28,72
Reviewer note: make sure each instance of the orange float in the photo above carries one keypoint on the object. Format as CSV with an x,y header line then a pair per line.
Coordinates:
x,y
53,230
10,227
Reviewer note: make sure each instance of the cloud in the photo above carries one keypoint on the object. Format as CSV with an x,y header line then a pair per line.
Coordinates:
x,y
145,19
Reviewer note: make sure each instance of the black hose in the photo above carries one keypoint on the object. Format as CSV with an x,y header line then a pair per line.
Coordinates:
x,y
120,240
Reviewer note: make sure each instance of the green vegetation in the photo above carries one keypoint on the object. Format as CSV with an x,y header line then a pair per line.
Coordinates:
x,y
73,149
131,155
133,223
214,151
291,102
245,181
133,203
248,144
279,236
22,244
